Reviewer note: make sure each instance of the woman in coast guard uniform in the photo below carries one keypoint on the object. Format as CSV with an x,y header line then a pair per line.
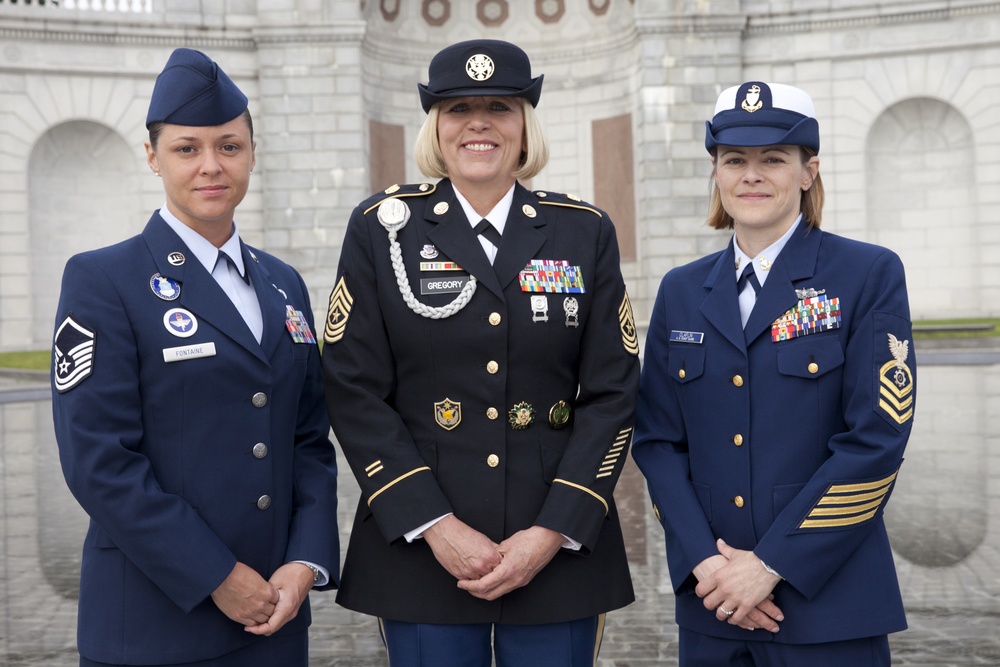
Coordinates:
x,y
481,372
777,397
189,413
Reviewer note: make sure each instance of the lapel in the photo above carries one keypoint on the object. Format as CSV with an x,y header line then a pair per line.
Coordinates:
x,y
797,261
451,233
272,304
522,238
199,292
721,306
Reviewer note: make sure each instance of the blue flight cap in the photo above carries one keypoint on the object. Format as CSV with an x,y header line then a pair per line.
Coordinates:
x,y
193,90
763,114
480,67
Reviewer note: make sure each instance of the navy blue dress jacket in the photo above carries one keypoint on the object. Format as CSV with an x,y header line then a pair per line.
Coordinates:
x,y
190,445
784,438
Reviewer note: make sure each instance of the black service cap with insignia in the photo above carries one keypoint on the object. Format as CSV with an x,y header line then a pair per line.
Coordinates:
x,y
193,90
480,67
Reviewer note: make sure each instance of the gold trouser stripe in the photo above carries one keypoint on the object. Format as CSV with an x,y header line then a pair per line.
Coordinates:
x,y
585,490
600,636
398,479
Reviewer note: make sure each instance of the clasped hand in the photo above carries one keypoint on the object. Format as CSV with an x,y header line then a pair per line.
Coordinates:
x,y
485,569
263,607
735,584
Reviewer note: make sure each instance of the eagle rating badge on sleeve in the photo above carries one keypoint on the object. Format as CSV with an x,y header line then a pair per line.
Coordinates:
x,y
896,383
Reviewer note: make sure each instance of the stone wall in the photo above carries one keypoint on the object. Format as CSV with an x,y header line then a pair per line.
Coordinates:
x,y
905,93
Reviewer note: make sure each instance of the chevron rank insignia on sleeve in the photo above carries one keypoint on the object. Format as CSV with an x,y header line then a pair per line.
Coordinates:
x,y
896,383
338,313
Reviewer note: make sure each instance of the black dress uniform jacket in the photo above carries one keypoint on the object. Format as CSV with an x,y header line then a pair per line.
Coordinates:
x,y
420,406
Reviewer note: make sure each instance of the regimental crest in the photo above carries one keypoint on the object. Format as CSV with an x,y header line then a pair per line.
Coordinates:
x,y
72,354
630,337
338,312
479,67
896,383
752,102
448,414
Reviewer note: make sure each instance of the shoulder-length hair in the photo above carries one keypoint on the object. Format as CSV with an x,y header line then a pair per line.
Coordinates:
x,y
430,161
811,204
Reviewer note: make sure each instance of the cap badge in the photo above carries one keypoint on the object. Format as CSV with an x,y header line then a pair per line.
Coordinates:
x,y
752,102
479,67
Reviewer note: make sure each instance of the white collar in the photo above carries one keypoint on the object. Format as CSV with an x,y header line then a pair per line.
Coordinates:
x,y
497,217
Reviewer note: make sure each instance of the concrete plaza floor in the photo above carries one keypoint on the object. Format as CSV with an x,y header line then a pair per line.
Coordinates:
x,y
943,520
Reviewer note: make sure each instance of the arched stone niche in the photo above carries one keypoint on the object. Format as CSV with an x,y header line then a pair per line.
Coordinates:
x,y
83,193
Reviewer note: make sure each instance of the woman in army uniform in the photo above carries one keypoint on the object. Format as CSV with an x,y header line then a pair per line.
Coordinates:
x,y
481,372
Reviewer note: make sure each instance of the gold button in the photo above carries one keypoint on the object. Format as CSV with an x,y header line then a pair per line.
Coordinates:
x,y
738,380
738,501
681,374
492,413
738,440
814,368
493,460
528,210
495,319
492,367
441,208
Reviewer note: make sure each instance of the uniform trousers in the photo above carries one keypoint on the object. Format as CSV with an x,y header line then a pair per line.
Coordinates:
x,y
570,644
285,650
698,650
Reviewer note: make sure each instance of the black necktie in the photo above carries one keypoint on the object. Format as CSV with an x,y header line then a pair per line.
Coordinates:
x,y
750,276
488,232
245,276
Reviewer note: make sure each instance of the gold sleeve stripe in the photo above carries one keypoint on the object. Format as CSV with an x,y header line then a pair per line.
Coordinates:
x,y
376,463
611,458
834,523
846,510
339,311
396,481
867,486
585,490
853,498
371,473
849,504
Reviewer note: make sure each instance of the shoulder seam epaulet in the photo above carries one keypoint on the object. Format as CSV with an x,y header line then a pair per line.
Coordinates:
x,y
574,202
398,191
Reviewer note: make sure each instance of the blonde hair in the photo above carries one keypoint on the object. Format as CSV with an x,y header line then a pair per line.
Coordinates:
x,y
430,161
811,203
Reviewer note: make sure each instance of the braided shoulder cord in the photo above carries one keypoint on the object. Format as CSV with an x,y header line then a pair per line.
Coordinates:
x,y
393,217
